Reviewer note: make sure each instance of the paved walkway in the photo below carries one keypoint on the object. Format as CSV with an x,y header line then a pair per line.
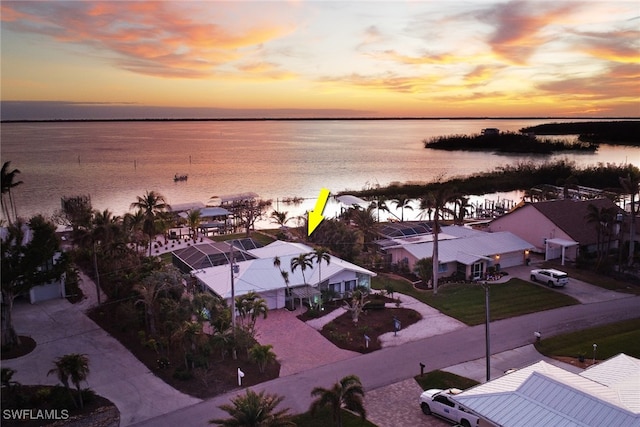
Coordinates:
x,y
297,345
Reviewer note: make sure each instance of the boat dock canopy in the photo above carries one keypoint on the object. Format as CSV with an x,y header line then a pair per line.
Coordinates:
x,y
231,198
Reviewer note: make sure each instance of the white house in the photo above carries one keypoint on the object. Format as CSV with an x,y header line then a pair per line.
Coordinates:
x,y
462,250
542,394
263,277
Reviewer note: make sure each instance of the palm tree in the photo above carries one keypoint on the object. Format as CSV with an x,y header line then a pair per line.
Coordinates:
x,y
255,410
366,223
133,224
347,393
603,220
193,221
262,355
152,204
319,255
8,182
424,269
150,290
303,261
631,186
285,276
438,199
403,202
72,367
280,218
251,306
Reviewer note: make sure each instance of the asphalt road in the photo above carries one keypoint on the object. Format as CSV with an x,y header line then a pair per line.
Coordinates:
x,y
394,364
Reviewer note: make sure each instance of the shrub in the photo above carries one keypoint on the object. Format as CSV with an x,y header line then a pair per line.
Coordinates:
x,y
182,375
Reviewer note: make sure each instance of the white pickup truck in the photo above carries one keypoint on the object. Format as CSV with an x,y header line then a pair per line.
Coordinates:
x,y
550,276
439,402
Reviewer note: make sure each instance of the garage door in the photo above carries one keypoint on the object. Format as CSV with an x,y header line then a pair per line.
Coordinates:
x,y
511,259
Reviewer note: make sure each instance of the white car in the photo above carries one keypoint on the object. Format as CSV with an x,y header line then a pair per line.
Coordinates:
x,y
440,402
550,276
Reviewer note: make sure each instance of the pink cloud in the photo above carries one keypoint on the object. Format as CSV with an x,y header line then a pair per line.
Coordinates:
x,y
518,26
155,38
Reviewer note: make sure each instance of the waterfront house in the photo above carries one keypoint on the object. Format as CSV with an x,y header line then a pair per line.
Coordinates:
x,y
556,228
260,275
461,251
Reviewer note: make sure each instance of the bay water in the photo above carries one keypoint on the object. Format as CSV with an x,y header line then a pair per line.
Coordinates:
x,y
114,162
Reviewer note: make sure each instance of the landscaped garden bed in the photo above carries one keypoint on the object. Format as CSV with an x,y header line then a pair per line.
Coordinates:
x,y
219,377
344,333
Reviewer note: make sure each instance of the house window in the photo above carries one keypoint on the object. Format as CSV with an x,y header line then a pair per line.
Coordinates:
x,y
334,288
443,268
349,285
364,280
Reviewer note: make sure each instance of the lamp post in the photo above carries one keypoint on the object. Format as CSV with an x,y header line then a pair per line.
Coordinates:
x,y
233,291
485,285
594,353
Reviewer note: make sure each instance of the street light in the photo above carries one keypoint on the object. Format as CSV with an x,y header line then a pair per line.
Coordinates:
x,y
234,270
485,285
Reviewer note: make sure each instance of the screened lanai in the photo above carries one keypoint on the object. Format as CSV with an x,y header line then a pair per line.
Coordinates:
x,y
207,255
405,229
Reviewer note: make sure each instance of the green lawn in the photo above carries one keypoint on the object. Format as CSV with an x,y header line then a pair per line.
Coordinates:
x,y
619,337
444,380
466,302
322,418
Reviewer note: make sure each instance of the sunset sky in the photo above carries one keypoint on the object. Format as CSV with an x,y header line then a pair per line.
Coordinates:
x,y
321,58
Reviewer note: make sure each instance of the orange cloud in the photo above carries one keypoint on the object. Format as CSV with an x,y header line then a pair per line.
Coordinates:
x,y
154,38
616,46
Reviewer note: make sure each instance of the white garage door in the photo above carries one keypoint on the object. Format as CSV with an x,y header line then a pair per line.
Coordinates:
x,y
511,259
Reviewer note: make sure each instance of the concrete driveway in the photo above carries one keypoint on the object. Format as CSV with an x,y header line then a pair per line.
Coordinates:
x,y
581,291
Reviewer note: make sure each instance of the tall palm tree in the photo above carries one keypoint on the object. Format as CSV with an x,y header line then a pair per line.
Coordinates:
x,y
7,180
72,367
254,410
285,276
438,199
366,223
347,393
403,202
133,224
152,204
303,261
603,220
631,186
318,255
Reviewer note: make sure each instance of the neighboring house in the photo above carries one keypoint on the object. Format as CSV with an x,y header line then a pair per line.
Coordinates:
x,y
48,291
605,394
461,250
261,276
556,228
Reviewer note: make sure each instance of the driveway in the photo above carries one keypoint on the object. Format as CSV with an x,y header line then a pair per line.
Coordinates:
x,y
298,346
581,291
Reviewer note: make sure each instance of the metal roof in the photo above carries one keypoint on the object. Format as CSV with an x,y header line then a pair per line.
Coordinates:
x,y
470,249
260,275
543,394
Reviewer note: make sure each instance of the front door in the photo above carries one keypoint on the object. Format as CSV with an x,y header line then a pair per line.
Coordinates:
x,y
476,270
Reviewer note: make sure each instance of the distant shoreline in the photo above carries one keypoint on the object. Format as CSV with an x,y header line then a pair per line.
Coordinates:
x,y
262,119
